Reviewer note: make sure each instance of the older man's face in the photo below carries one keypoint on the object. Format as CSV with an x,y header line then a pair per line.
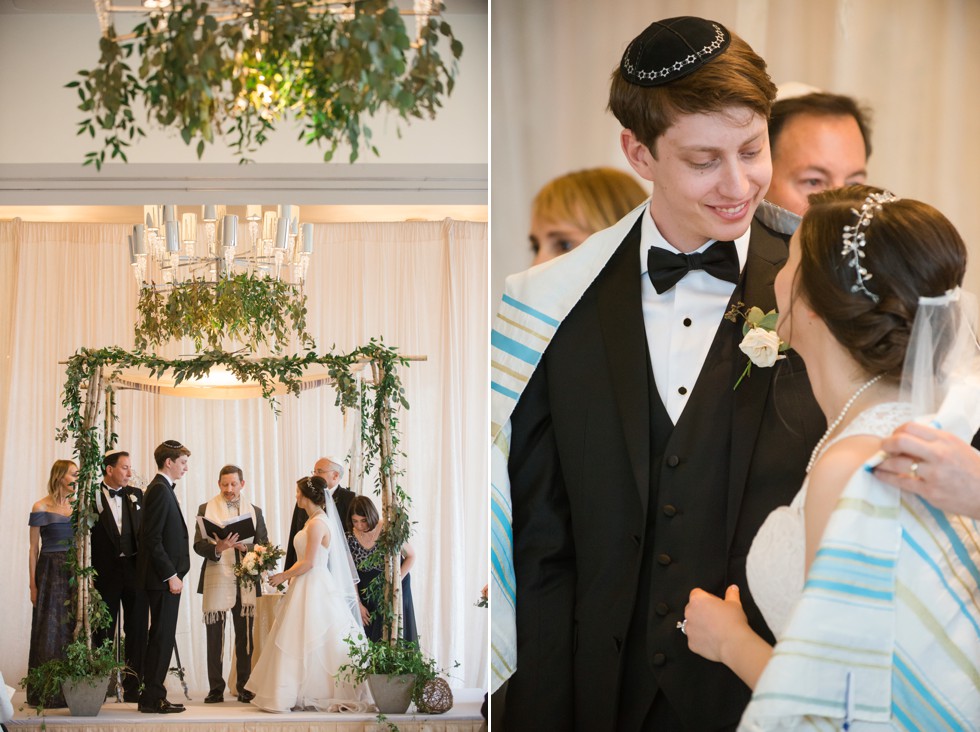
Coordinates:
x,y
326,470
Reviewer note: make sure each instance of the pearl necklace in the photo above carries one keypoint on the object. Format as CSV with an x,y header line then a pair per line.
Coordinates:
x,y
840,417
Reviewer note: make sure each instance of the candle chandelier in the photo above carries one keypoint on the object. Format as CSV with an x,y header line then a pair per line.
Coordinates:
x,y
171,248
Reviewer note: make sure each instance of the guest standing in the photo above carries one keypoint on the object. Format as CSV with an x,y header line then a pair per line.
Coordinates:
x,y
163,559
51,534
570,208
331,469
220,587
114,558
362,540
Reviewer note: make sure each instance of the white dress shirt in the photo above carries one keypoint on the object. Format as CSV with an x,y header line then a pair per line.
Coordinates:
x,y
682,322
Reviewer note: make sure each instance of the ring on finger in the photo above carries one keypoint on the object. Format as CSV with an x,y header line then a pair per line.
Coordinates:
x,y
914,470
682,626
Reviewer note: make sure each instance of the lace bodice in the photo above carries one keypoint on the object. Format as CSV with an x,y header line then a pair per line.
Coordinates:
x,y
777,558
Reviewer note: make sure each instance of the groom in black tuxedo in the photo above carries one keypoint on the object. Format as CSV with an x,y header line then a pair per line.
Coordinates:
x,y
114,559
331,469
637,470
163,560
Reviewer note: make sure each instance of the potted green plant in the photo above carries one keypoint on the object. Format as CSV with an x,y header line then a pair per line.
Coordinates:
x,y
82,675
396,673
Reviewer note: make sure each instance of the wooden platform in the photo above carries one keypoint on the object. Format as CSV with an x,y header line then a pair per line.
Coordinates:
x,y
231,716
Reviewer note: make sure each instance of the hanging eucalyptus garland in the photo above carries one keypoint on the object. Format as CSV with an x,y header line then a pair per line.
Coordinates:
x,y
238,77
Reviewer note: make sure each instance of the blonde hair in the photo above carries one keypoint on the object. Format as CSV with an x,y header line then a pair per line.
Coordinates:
x,y
591,199
58,471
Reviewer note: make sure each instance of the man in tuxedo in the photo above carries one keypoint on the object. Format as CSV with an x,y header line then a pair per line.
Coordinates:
x,y
636,471
220,587
163,559
331,469
114,559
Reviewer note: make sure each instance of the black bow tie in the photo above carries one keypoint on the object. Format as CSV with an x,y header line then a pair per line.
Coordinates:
x,y
113,494
666,269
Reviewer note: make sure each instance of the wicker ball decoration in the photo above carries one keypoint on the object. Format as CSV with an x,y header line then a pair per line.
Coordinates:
x,y
437,697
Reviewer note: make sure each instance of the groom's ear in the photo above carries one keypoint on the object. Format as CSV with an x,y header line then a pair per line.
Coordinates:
x,y
639,156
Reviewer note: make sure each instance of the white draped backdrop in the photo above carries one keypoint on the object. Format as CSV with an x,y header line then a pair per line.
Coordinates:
x,y
422,286
915,62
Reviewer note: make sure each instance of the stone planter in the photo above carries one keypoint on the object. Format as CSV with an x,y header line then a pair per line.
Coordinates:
x,y
392,694
85,696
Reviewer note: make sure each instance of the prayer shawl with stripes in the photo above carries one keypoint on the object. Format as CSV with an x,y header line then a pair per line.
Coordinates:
x,y
533,305
887,632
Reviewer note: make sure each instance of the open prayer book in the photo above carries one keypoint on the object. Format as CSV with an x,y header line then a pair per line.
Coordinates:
x,y
241,525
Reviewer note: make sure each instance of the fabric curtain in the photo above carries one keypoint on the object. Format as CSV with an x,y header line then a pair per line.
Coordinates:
x,y
422,286
914,63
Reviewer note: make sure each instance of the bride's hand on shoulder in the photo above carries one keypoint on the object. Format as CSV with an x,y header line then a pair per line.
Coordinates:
x,y
711,621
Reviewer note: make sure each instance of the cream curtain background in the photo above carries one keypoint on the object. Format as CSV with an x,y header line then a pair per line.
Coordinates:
x,y
423,286
915,62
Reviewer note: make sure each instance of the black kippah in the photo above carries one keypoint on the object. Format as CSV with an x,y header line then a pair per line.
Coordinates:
x,y
671,49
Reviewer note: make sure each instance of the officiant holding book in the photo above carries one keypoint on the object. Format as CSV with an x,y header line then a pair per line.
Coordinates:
x,y
227,526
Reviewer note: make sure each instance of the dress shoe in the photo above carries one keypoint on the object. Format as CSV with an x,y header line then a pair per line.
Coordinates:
x,y
161,706
246,696
215,697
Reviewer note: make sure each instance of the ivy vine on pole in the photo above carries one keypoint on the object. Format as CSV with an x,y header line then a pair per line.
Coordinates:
x,y
238,77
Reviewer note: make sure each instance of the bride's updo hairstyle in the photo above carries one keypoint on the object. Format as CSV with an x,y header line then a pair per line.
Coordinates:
x,y
910,250
315,489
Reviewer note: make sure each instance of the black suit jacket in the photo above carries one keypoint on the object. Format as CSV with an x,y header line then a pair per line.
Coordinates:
x,y
203,546
106,540
342,498
584,482
164,549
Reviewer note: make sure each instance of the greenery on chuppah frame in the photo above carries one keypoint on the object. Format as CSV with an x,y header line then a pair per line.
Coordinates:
x,y
93,370
239,76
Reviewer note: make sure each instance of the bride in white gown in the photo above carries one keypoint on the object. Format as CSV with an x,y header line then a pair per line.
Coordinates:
x,y
873,596
306,646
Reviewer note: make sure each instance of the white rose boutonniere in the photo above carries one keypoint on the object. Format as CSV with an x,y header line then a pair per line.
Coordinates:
x,y
759,339
132,497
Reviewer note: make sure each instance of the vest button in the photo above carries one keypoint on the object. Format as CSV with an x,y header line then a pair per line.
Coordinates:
x,y
670,511
659,659
663,559
662,609
672,461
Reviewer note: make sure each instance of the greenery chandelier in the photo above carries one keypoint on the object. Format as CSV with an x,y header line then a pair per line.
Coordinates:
x,y
331,66
207,283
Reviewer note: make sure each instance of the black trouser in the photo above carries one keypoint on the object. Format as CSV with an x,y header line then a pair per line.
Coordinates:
x,y
164,607
243,658
135,619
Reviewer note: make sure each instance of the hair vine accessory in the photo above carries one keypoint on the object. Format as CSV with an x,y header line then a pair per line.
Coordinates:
x,y
309,483
854,239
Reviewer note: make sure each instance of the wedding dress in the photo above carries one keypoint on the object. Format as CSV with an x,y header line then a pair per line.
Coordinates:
x,y
776,564
306,646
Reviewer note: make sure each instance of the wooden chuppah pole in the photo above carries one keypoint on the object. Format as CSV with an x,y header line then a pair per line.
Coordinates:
x,y
83,545
392,562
